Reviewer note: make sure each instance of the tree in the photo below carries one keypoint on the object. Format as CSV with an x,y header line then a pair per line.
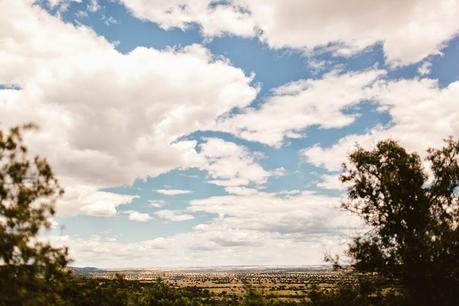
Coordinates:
x,y
413,219
31,271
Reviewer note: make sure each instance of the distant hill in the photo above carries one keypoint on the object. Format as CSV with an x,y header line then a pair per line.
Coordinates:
x,y
86,269
230,269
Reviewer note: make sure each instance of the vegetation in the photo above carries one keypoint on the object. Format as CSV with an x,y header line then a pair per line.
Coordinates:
x,y
31,271
410,255
119,291
413,219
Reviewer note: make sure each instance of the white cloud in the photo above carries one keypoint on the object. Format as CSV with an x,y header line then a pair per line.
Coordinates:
x,y
301,104
61,5
93,6
409,31
107,251
304,213
231,165
246,230
109,20
214,19
423,114
332,158
53,2
331,181
87,200
201,248
425,68
157,203
173,215
241,190
172,192
108,118
138,216
290,192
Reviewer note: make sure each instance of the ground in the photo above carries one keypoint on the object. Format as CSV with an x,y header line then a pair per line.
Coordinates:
x,y
287,284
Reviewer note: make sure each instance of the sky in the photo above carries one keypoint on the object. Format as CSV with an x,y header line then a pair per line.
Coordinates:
x,y
209,133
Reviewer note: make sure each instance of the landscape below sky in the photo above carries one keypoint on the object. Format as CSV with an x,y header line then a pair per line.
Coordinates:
x,y
212,133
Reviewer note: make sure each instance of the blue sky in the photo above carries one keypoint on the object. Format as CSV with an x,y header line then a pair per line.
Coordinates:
x,y
191,133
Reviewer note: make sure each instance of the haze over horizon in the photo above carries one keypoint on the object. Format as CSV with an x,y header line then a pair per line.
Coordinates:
x,y
211,133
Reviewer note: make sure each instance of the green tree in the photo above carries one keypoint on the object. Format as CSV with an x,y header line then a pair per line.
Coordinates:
x,y
31,271
413,219
253,298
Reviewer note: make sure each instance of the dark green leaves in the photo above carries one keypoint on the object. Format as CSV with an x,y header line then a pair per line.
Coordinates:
x,y
414,220
31,271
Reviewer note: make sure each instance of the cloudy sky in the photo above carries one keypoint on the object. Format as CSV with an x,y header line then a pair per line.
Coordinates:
x,y
204,132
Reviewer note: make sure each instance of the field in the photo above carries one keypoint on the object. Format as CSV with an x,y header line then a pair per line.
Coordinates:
x,y
288,284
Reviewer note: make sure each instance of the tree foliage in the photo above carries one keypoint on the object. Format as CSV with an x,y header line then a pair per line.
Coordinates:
x,y
413,218
31,271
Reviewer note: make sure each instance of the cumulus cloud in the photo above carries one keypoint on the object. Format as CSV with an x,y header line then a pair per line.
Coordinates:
x,y
304,225
232,166
304,213
87,200
215,19
201,248
409,30
173,215
108,252
172,192
333,157
330,181
138,216
301,104
423,114
108,118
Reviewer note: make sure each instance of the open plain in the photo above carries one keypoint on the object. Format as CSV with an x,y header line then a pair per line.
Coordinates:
x,y
275,283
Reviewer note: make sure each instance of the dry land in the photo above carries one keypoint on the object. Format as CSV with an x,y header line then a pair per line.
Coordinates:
x,y
285,283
